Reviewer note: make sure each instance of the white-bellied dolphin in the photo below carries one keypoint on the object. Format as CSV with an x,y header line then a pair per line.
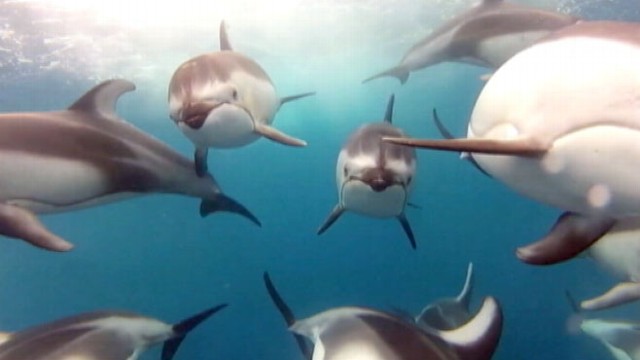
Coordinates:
x,y
488,35
224,99
449,313
618,252
374,178
560,123
85,156
357,332
621,338
105,335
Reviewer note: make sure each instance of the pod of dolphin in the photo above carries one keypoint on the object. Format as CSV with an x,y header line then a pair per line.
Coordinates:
x,y
557,130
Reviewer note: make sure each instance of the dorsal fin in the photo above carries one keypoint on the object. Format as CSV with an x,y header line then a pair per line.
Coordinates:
x,y
224,38
388,116
102,98
464,297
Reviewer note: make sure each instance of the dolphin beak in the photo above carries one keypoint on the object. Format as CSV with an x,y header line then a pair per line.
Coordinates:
x,y
378,179
194,114
378,184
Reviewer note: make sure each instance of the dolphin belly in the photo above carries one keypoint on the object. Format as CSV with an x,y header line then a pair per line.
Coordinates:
x,y
358,197
48,184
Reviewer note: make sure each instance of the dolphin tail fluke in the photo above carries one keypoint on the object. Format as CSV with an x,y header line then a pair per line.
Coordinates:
x,y
224,203
287,314
182,328
402,218
200,159
478,338
569,236
396,72
225,44
20,223
464,297
276,135
622,293
337,211
291,98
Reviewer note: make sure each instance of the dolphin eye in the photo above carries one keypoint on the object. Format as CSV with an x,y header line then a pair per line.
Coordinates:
x,y
234,94
409,180
344,171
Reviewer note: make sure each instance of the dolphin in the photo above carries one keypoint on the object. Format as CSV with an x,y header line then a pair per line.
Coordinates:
x,y
487,35
374,178
448,313
101,335
224,99
563,132
358,332
622,338
618,252
86,156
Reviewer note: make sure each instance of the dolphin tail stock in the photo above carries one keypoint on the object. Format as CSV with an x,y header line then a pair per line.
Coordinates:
x,y
183,328
222,202
570,235
287,314
19,223
402,218
337,211
397,72
291,98
276,135
621,293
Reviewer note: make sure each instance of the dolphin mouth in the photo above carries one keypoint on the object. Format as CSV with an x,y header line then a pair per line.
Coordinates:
x,y
378,184
195,115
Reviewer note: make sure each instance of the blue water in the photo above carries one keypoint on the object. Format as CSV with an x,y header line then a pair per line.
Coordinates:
x,y
156,256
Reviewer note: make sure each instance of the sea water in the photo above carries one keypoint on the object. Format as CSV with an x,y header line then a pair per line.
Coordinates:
x,y
154,255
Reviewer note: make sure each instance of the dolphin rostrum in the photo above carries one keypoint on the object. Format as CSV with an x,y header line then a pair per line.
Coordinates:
x,y
563,132
224,99
103,335
488,35
85,156
358,332
374,178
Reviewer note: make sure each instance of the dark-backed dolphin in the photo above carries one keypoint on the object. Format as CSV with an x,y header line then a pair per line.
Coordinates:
x,y
357,332
560,123
449,313
224,99
375,178
85,156
488,35
105,335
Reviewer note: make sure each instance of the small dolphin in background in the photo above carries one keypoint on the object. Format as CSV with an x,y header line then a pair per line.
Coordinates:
x,y
223,100
449,313
86,156
618,252
374,178
357,332
559,123
106,335
488,35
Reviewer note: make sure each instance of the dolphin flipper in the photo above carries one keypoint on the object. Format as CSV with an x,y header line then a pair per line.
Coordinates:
x,y
620,294
182,328
287,99
397,72
407,229
337,211
516,147
20,223
464,297
276,135
200,159
569,236
224,203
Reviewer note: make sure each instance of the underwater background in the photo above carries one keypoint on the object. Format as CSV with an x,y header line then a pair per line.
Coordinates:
x,y
156,256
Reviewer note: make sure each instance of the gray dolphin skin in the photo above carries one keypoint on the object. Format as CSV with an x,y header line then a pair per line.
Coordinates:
x,y
104,335
224,99
488,35
86,156
375,178
357,332
449,313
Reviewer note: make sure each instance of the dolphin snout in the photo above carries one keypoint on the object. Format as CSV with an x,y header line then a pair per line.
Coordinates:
x,y
378,179
379,184
194,114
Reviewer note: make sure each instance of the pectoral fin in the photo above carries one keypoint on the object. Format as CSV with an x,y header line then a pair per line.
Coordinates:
x,y
569,236
333,216
20,223
200,158
291,98
398,72
272,133
407,229
224,203
620,294
518,147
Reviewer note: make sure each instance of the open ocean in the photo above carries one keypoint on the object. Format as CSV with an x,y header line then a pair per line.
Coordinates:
x,y
155,255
